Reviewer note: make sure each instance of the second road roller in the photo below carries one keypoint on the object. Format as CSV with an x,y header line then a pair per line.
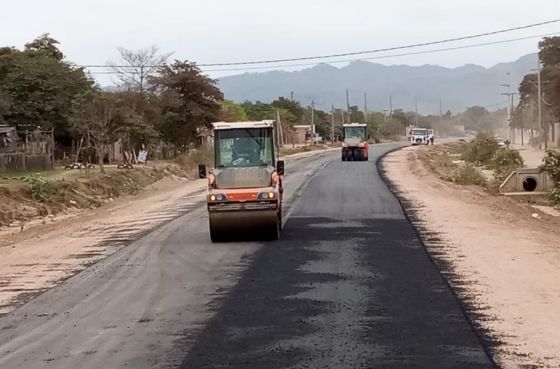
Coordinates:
x,y
355,143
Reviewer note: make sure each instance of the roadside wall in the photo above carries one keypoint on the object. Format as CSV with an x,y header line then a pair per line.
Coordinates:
x,y
298,134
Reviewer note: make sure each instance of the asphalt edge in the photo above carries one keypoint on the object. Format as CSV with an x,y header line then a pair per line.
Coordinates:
x,y
27,297
486,339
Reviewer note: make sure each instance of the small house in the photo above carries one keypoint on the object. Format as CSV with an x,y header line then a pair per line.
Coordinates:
x,y
300,134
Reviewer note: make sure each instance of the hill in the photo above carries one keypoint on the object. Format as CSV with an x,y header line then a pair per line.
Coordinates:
x,y
325,85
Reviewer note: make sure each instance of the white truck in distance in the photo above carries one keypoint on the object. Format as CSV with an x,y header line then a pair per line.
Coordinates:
x,y
421,136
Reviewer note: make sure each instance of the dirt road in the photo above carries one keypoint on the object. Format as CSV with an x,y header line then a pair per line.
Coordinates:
x,y
502,262
349,285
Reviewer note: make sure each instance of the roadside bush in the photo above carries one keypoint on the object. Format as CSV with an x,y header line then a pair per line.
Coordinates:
x,y
551,164
466,174
189,162
39,187
555,195
481,149
504,162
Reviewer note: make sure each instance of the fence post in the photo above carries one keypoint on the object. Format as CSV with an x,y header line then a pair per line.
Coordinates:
x,y
53,147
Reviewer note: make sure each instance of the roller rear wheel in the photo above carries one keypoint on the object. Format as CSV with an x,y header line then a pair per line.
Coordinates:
x,y
357,155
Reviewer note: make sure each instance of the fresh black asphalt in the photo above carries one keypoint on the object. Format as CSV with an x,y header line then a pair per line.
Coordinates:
x,y
349,285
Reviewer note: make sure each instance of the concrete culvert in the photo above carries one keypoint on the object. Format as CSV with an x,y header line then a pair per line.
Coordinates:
x,y
530,184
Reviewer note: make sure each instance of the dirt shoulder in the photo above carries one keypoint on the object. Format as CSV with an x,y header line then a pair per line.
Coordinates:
x,y
53,248
532,157
501,261
41,257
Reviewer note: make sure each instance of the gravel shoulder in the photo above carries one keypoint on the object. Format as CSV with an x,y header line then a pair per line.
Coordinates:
x,y
502,262
47,253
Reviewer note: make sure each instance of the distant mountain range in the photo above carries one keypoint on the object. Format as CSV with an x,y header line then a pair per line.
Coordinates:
x,y
324,84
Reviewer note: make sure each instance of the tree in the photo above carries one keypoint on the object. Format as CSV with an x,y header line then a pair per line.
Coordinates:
x,y
136,67
94,120
40,88
321,119
375,122
392,128
473,116
526,112
232,112
190,100
400,116
294,107
549,51
287,118
139,115
322,123
46,44
258,110
356,116
4,106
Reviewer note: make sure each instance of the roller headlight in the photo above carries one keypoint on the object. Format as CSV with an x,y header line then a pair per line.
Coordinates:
x,y
267,196
218,197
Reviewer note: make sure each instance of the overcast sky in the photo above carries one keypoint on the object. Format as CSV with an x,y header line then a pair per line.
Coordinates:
x,y
216,31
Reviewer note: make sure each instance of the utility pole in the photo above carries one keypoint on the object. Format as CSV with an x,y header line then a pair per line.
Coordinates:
x,y
348,106
332,123
440,111
416,111
292,96
509,95
390,106
544,132
365,108
313,119
543,136
279,127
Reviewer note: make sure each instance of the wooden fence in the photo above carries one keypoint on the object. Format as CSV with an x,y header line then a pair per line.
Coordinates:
x,y
33,151
22,162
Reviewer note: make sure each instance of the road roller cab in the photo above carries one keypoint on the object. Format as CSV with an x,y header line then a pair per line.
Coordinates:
x,y
245,187
355,142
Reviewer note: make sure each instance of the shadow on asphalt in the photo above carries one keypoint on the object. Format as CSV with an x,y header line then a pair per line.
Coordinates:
x,y
338,294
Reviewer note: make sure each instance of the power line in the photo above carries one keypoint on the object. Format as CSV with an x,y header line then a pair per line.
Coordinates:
x,y
494,105
361,59
388,56
386,49
360,52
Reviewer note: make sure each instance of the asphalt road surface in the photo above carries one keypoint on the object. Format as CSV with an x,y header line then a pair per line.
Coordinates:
x,y
349,285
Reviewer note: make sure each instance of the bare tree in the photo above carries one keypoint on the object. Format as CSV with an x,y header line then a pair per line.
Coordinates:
x,y
94,119
135,67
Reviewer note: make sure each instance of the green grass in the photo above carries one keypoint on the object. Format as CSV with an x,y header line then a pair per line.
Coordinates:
x,y
16,178
23,173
